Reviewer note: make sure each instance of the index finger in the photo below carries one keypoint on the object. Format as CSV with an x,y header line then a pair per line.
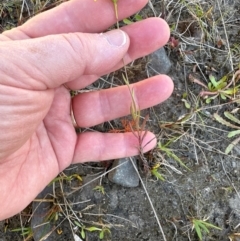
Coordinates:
x,y
87,16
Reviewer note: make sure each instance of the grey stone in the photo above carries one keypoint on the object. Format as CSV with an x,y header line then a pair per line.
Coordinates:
x,y
124,174
159,62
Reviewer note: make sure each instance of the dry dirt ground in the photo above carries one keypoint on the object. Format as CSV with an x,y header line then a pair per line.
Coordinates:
x,y
205,44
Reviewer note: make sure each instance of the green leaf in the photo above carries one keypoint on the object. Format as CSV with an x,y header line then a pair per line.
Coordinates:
x,y
210,225
127,21
208,100
229,91
198,230
92,229
99,188
75,176
101,234
223,97
157,174
202,225
138,17
210,86
186,103
220,86
223,79
233,133
171,154
176,158
231,145
232,117
83,233
77,223
185,94
213,81
224,122
229,148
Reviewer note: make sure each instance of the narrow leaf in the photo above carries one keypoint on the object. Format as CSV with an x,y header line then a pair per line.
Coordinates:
x,y
157,174
91,229
224,122
232,117
101,235
77,223
210,225
229,91
223,79
223,97
83,233
213,81
176,158
203,226
198,230
233,133
231,145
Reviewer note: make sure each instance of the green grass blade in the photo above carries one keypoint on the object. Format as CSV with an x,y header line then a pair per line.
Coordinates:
x,y
176,158
197,229
210,225
157,174
202,225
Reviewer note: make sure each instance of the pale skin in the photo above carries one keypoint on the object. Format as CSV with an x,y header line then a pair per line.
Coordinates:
x,y
63,46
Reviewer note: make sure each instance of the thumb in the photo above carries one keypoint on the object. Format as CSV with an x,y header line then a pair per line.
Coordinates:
x,y
50,61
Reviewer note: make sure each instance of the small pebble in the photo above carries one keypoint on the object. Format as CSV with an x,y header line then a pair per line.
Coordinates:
x,y
125,174
159,62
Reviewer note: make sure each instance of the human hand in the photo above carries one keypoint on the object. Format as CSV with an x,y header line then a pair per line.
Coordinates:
x,y
62,46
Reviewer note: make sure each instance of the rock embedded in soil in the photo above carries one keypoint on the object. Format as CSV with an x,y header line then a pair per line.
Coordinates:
x,y
125,173
159,62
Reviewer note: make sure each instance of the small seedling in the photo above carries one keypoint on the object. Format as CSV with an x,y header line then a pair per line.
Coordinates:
x,y
185,101
64,177
102,231
201,226
155,172
24,232
169,152
224,87
154,164
53,213
99,188
233,133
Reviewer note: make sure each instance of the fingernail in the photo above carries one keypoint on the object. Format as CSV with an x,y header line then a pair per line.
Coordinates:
x,y
116,37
